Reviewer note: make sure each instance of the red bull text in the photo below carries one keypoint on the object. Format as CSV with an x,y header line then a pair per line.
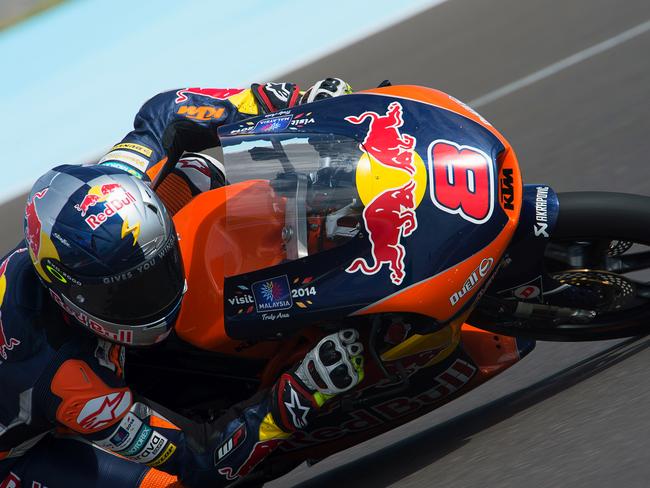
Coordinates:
x,y
114,198
124,336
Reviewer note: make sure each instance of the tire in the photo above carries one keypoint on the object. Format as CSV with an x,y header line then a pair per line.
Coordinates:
x,y
603,215
585,216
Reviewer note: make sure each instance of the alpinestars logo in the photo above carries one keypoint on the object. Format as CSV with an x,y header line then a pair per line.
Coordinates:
x,y
297,410
279,90
102,411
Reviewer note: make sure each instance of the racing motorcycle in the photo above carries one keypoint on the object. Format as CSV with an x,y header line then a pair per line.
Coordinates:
x,y
401,212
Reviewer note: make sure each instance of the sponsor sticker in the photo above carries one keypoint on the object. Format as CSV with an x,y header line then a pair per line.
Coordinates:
x,y
124,167
112,198
230,444
472,280
134,147
164,457
272,294
141,439
124,435
58,273
201,113
241,300
507,189
134,160
541,212
152,449
391,180
274,124
302,122
527,292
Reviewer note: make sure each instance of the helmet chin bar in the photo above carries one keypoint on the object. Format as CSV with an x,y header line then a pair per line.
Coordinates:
x,y
130,335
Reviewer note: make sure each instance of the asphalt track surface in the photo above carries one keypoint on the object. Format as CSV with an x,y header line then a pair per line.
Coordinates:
x,y
569,414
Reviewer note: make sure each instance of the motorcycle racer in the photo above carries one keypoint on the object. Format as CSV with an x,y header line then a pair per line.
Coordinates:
x,y
104,246
186,120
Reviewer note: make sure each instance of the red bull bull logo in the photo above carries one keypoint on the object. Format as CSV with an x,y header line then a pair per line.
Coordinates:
x,y
384,141
214,93
6,343
391,180
114,198
259,452
33,234
95,195
388,217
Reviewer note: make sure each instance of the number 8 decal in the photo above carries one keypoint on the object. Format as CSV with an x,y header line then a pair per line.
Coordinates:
x,y
461,180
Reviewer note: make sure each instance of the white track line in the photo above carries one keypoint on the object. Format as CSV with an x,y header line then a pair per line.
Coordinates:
x,y
560,65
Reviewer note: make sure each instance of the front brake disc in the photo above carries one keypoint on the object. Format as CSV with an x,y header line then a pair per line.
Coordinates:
x,y
610,291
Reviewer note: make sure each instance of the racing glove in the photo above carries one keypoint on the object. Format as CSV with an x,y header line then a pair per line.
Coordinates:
x,y
333,367
327,88
271,97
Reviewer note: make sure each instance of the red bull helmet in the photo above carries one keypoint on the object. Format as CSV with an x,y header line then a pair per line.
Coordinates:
x,y
105,247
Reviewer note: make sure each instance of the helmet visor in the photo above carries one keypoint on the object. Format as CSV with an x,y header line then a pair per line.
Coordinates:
x,y
136,296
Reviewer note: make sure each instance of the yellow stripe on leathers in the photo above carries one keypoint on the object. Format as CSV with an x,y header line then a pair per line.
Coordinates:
x,y
245,102
270,430
3,288
445,339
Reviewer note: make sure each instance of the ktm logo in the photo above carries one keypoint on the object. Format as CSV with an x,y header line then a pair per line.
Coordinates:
x,y
507,189
201,113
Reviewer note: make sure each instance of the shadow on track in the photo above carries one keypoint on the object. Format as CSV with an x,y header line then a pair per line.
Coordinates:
x,y
390,464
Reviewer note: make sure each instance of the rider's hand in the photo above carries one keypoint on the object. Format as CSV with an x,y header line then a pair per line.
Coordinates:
x,y
334,366
272,97
327,88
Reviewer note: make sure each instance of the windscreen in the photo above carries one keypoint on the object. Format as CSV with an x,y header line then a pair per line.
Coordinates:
x,y
291,196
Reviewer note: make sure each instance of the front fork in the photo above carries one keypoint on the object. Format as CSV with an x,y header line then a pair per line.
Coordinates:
x,y
522,275
523,291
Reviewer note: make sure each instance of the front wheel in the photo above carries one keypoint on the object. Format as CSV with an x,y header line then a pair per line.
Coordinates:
x,y
599,255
